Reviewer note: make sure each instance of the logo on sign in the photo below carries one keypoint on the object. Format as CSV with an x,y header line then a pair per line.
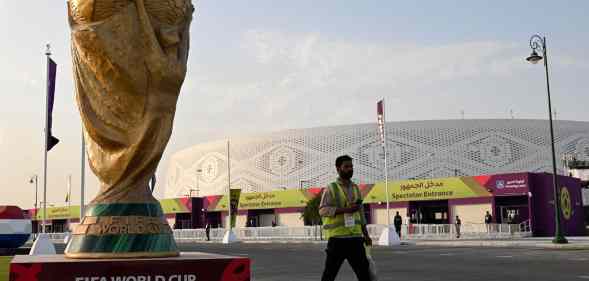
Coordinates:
x,y
210,169
566,203
500,184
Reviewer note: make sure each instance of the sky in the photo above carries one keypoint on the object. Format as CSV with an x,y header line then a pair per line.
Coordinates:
x,y
262,65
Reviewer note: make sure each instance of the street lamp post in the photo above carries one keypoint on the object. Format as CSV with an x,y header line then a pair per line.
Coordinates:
x,y
35,179
538,43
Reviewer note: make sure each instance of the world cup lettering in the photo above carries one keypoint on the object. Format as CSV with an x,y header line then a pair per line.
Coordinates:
x,y
123,229
104,228
114,229
153,228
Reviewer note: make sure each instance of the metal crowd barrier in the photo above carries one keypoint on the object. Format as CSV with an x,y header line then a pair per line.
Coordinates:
x,y
252,233
412,232
314,233
467,230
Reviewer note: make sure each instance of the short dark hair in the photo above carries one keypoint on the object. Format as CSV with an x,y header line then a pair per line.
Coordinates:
x,y
340,160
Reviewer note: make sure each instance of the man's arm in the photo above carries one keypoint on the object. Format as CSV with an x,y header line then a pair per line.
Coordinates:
x,y
367,238
326,206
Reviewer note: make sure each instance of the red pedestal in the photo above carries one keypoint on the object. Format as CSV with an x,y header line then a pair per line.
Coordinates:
x,y
187,267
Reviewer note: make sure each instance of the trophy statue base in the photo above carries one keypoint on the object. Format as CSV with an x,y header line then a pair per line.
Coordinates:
x,y
122,230
191,266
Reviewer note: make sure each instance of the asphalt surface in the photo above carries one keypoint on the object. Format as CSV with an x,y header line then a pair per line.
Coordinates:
x,y
304,262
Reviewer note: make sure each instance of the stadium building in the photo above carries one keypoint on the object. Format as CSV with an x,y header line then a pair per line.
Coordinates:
x,y
437,170
277,172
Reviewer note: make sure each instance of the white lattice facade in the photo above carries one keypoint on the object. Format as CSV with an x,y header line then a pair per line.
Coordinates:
x,y
416,149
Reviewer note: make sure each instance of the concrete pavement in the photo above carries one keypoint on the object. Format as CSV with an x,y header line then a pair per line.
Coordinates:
x,y
575,243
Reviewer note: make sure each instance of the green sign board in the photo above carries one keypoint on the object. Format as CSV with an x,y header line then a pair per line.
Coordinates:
x,y
59,213
434,189
406,190
175,205
290,198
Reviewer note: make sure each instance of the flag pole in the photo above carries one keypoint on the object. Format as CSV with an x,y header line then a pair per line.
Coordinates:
x,y
386,170
229,184
82,176
388,236
69,190
48,55
69,197
42,245
229,235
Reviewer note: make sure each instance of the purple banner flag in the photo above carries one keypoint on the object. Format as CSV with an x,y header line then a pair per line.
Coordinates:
x,y
52,71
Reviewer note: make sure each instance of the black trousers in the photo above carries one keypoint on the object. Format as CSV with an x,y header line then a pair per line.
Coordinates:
x,y
398,230
351,249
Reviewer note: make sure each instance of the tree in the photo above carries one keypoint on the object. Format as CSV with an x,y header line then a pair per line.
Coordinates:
x,y
311,212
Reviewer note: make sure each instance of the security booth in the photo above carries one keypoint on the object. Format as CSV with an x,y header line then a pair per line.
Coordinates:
x,y
580,169
511,202
543,216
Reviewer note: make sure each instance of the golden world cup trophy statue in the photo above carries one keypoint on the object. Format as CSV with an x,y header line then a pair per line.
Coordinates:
x,y
129,60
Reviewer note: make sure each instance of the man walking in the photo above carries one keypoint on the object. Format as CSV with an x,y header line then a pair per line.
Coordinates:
x,y
208,231
344,224
398,222
488,221
458,223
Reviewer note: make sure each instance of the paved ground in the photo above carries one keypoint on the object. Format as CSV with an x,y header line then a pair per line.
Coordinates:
x,y
304,262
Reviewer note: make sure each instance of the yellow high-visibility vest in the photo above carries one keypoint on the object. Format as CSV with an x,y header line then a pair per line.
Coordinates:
x,y
336,226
